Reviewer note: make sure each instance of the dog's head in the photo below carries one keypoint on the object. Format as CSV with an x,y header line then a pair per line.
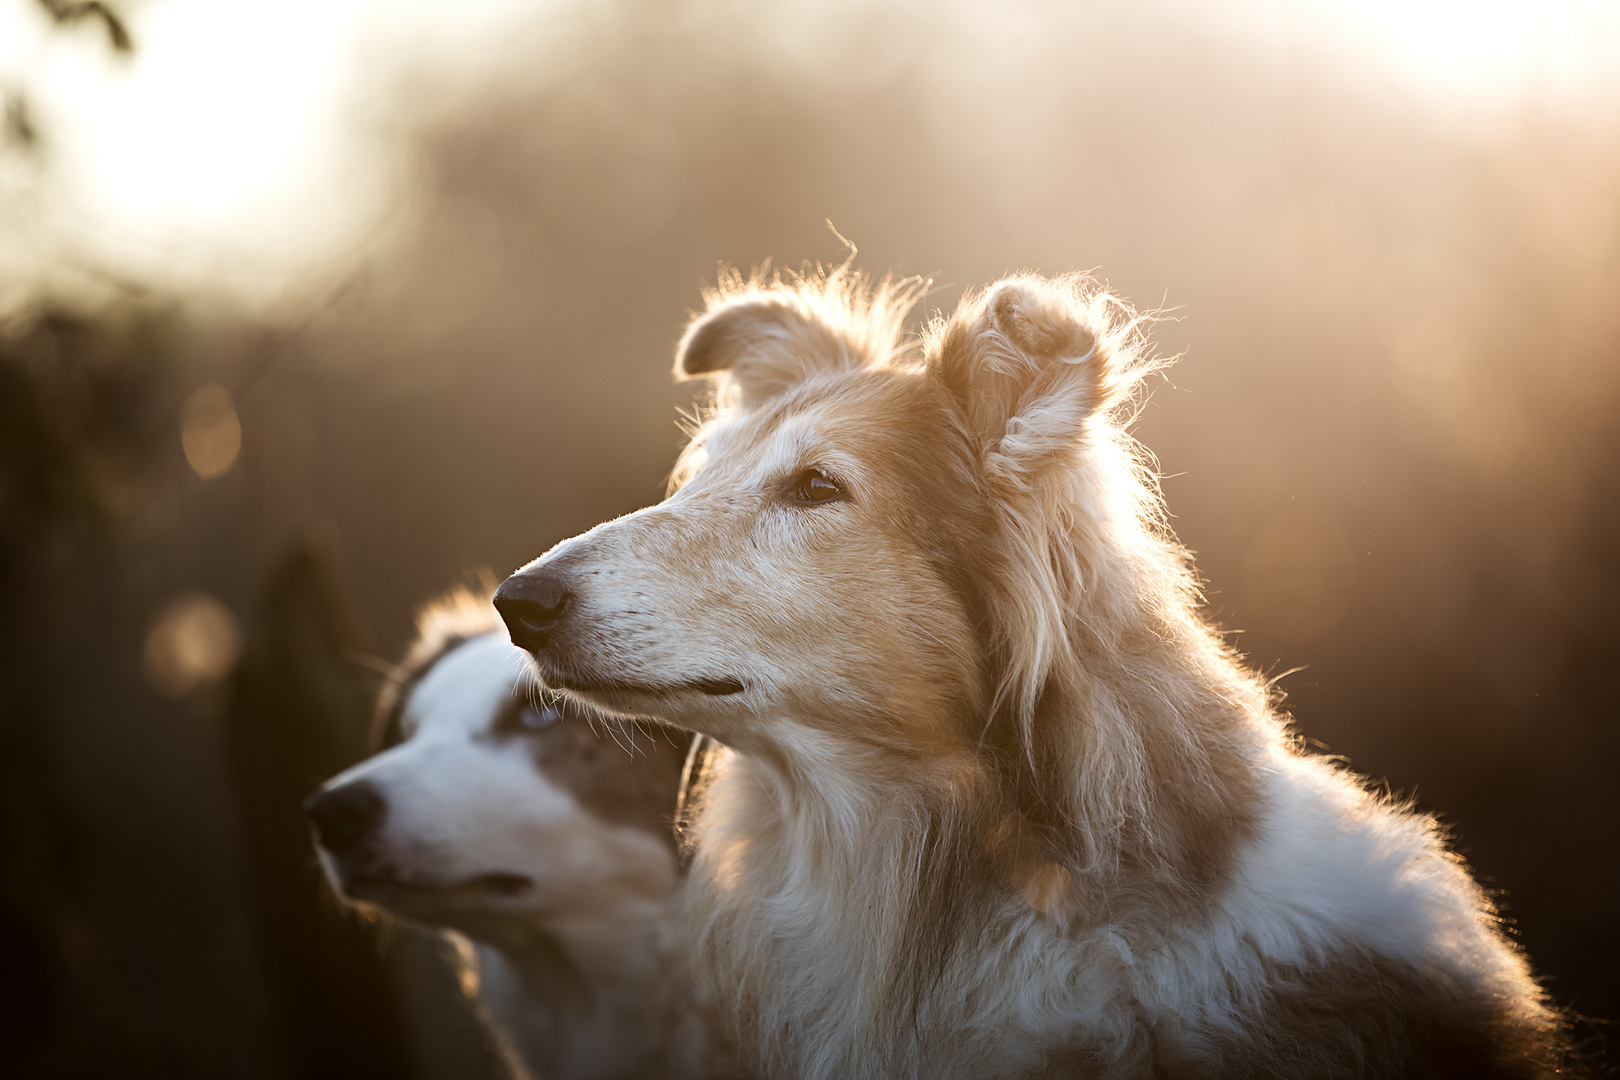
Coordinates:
x,y
492,808
837,556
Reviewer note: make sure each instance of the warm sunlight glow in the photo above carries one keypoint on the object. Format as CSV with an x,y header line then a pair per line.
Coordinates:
x,y
233,144
220,140
1495,53
247,140
224,117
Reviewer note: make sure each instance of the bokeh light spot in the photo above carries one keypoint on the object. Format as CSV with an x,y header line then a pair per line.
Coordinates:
x,y
210,431
194,641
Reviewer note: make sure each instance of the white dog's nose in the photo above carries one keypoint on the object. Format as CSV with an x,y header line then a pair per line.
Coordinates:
x,y
532,603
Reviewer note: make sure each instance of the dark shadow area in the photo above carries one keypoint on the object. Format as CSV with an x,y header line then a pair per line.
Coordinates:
x,y
297,715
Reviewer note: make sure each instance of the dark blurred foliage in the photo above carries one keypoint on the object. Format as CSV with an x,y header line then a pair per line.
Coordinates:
x,y
161,910
85,413
1391,438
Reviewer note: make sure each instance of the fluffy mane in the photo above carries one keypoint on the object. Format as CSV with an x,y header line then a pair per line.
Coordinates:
x,y
1000,802
1116,718
1128,710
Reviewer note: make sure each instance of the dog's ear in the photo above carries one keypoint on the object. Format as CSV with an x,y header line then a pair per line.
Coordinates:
x,y
766,341
1029,362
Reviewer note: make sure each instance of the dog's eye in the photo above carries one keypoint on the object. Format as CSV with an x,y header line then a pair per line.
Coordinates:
x,y
538,717
815,486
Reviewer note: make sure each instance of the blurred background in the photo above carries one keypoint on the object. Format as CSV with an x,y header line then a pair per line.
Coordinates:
x,y
311,309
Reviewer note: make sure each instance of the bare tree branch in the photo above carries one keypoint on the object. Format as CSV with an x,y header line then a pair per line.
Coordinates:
x,y
75,11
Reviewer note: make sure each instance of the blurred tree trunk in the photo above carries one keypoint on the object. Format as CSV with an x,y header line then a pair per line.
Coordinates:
x,y
298,715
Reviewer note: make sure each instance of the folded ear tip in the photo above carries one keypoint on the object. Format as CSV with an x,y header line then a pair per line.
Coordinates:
x,y
731,329
699,351
1040,317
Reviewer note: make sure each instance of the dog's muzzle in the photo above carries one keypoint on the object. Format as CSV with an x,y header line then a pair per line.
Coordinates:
x,y
532,603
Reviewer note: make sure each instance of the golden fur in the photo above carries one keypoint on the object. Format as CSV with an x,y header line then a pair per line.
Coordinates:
x,y
998,801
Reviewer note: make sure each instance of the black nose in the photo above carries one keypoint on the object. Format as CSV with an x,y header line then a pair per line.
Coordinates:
x,y
344,817
532,603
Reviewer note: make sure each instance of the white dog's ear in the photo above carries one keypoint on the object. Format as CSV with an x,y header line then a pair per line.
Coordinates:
x,y
765,341
1030,361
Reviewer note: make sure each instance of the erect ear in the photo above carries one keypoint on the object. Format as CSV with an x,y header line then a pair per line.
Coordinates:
x,y
766,337
1031,361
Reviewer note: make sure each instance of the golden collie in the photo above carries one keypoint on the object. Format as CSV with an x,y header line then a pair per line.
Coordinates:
x,y
996,801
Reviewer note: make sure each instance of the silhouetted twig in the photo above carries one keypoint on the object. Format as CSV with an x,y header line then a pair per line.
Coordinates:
x,y
73,11
19,127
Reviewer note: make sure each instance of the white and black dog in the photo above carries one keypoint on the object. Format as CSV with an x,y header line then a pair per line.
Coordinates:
x,y
545,836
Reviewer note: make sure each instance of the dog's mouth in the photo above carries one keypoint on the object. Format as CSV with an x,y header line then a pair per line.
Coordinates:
x,y
499,883
709,685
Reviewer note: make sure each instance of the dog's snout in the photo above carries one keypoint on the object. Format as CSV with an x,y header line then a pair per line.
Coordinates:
x,y
532,604
344,817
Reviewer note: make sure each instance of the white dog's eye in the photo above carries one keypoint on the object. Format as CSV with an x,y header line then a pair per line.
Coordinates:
x,y
538,717
815,486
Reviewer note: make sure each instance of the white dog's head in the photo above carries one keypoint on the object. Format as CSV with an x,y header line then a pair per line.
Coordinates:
x,y
492,809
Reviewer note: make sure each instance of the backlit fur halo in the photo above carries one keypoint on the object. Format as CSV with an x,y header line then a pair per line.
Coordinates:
x,y
442,624
764,331
1048,370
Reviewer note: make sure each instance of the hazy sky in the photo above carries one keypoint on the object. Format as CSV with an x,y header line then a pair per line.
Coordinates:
x,y
250,137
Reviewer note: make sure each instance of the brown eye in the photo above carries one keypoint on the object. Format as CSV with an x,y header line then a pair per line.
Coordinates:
x,y
815,486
